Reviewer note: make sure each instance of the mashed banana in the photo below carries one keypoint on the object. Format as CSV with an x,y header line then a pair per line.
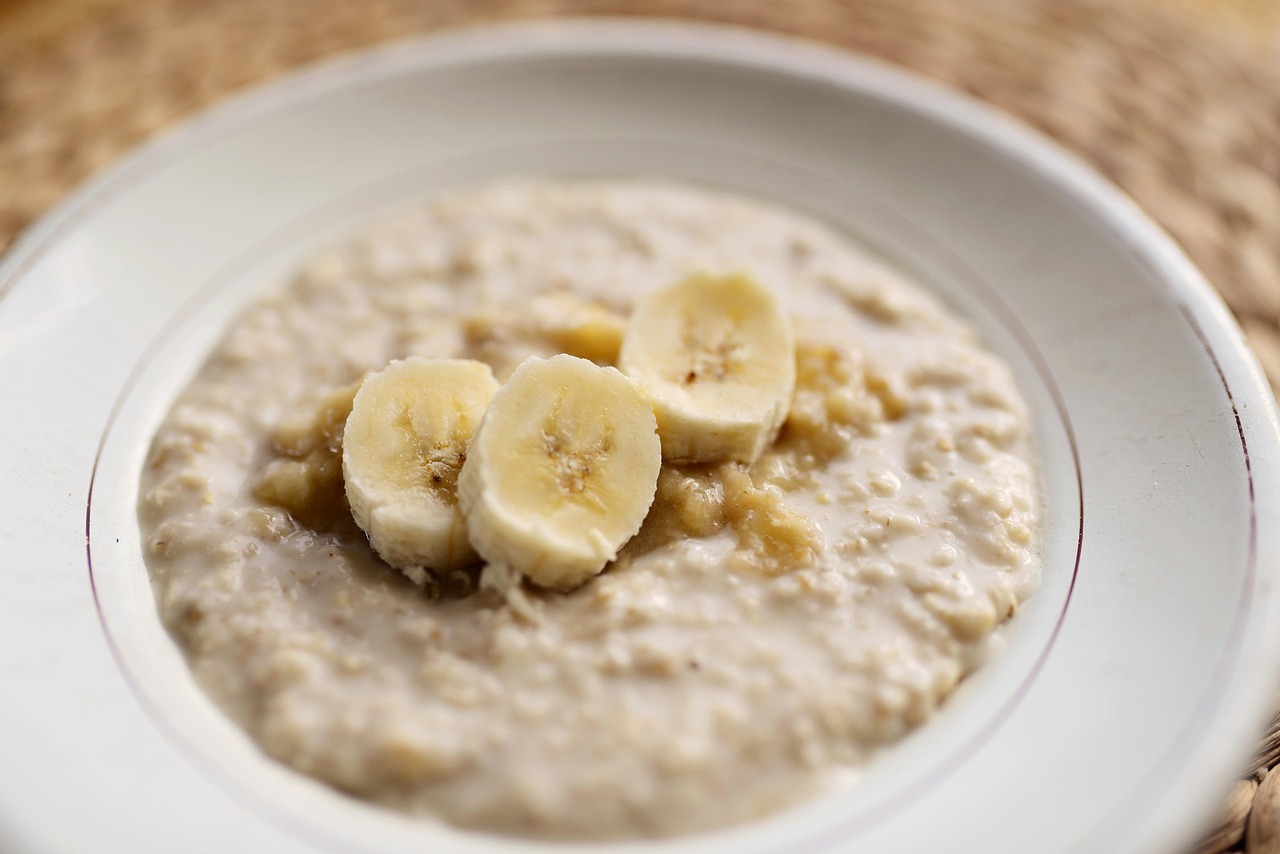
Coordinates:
x,y
769,627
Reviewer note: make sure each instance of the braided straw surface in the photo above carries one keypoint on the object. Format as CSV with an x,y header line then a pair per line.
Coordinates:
x,y
1182,114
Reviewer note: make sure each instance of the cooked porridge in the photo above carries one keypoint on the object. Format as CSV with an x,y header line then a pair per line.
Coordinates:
x,y
769,627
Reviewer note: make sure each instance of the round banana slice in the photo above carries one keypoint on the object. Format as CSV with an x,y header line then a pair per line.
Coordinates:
x,y
717,357
404,443
561,472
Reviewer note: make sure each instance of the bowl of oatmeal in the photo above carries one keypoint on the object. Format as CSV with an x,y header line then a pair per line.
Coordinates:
x,y
775,620
1016,457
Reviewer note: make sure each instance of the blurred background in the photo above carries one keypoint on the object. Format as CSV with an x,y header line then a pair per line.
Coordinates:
x,y
1177,101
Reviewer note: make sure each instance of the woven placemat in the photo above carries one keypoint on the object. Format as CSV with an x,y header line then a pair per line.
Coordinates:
x,y
1184,116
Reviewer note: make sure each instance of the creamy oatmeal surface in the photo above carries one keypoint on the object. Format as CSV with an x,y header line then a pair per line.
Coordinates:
x,y
762,635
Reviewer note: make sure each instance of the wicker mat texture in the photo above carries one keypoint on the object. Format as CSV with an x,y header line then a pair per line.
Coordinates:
x,y
1182,114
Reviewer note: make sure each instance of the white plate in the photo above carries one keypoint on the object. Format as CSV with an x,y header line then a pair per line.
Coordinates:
x,y
1131,685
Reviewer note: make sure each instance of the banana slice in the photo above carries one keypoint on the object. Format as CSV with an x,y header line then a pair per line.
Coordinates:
x,y
404,443
561,472
717,357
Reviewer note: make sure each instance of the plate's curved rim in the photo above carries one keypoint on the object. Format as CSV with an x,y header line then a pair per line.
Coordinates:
x,y
1062,172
